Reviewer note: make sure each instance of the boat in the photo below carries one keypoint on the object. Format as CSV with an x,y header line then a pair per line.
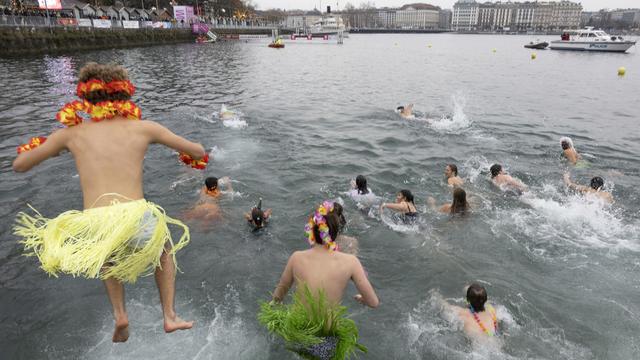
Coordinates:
x,y
327,25
589,39
539,45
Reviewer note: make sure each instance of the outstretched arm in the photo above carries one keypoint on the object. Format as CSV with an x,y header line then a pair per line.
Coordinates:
x,y
393,206
571,185
367,295
161,135
55,143
286,280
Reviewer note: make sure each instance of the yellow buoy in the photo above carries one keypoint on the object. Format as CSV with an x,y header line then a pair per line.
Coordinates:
x,y
533,56
429,46
622,71
494,50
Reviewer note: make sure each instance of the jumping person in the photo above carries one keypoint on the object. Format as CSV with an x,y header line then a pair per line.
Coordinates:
x,y
321,275
451,173
119,235
505,181
595,188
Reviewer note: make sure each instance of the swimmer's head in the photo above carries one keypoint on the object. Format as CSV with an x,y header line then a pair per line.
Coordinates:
x,y
495,169
361,185
566,143
405,195
459,203
597,183
257,217
211,183
451,170
106,73
476,297
400,108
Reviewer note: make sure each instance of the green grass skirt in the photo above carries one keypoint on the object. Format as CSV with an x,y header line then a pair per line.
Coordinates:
x,y
306,325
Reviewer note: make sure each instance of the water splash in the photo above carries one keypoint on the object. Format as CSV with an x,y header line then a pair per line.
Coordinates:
x,y
231,118
457,121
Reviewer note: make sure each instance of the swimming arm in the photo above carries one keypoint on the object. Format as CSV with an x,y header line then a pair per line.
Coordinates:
x,y
55,143
286,280
571,185
393,206
161,135
367,294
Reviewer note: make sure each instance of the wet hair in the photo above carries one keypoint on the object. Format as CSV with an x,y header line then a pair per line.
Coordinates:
x,y
597,182
453,168
361,185
257,216
339,211
400,108
407,195
333,222
477,296
459,204
565,145
495,170
211,183
106,73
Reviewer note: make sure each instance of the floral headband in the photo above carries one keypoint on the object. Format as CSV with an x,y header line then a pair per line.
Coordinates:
x,y
319,219
111,87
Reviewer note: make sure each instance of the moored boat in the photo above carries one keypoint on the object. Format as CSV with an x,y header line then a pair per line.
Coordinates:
x,y
591,40
539,45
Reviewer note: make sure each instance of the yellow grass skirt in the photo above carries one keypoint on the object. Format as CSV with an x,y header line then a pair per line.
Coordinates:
x,y
123,240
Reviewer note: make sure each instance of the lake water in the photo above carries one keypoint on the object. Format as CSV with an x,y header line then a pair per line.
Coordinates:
x,y
562,271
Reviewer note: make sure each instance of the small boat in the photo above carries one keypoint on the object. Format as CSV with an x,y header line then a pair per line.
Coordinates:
x,y
276,46
539,45
591,40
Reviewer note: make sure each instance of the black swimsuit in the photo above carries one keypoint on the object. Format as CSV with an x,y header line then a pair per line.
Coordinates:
x,y
410,217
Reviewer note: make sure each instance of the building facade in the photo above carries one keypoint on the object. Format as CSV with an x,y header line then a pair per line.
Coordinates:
x,y
465,15
418,16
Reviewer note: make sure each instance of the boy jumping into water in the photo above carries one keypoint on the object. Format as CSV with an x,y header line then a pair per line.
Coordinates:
x,y
596,188
119,235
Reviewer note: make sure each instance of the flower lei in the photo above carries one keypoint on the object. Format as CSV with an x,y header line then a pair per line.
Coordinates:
x,y
33,143
200,164
319,219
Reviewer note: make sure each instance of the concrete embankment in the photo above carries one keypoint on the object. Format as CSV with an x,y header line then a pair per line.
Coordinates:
x,y
24,41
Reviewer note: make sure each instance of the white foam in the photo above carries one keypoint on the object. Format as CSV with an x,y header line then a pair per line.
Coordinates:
x,y
458,119
230,118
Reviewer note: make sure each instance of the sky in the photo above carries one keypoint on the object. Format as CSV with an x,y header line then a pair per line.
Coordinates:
x,y
588,5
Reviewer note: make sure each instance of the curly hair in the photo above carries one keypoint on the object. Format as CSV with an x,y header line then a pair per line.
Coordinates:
x,y
106,73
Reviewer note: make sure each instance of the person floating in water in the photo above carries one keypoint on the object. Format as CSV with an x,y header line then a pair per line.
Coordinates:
x,y
321,275
596,188
505,181
207,207
404,205
405,111
257,217
451,172
459,205
479,318
119,235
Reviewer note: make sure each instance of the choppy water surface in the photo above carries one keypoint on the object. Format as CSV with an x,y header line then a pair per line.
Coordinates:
x,y
562,271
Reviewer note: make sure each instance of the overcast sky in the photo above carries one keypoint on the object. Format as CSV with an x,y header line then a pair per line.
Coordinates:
x,y
589,5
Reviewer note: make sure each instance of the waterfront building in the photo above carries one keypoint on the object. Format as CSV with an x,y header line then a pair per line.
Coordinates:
x,y
465,15
418,16
445,19
387,18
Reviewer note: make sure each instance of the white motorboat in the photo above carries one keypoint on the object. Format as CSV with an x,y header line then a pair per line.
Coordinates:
x,y
591,40
328,25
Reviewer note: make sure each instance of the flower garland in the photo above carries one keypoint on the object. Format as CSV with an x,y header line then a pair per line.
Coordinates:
x,y
200,164
111,87
33,143
319,219
68,115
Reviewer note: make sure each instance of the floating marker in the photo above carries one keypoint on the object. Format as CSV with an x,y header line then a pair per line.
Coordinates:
x,y
533,56
429,46
622,71
494,50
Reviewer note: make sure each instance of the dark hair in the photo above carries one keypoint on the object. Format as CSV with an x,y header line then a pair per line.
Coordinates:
x,y
400,108
339,211
211,183
495,170
453,168
407,195
333,222
597,182
361,185
257,215
459,204
565,145
106,73
477,296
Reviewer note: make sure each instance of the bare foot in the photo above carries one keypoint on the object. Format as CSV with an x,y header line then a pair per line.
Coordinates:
x,y
121,333
175,323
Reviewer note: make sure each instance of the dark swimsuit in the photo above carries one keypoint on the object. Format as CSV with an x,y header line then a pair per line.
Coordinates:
x,y
410,217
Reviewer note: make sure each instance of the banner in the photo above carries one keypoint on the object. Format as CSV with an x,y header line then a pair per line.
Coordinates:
x,y
85,22
50,4
102,24
157,25
127,24
147,24
183,13
68,22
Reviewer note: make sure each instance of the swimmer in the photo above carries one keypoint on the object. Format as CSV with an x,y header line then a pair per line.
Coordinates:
x,y
459,205
258,218
212,184
119,235
360,185
321,276
207,208
569,151
226,114
405,111
404,204
479,318
346,244
505,181
451,172
596,188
